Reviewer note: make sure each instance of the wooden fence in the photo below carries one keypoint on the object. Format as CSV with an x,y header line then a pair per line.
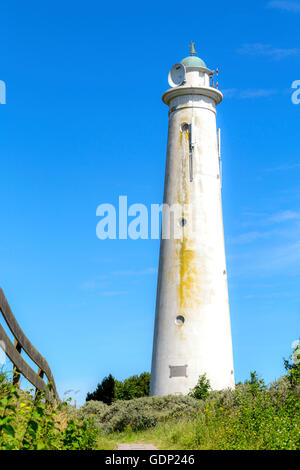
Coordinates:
x,y
13,351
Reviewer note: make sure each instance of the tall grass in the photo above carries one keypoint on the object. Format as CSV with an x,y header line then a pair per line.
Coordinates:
x,y
251,417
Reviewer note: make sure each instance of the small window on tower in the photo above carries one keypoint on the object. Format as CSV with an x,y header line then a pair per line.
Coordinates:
x,y
180,320
184,127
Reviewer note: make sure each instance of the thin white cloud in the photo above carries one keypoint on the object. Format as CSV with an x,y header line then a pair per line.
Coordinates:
x,y
132,272
270,295
266,50
285,254
285,167
291,193
113,293
249,93
283,224
285,216
285,5
89,285
230,92
97,282
249,237
255,214
276,257
257,93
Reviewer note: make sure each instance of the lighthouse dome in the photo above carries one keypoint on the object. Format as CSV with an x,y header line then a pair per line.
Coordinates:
x,y
193,61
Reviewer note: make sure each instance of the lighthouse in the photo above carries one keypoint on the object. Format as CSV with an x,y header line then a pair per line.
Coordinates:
x,y
192,332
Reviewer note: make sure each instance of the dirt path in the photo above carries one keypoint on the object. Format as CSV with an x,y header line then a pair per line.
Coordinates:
x,y
135,446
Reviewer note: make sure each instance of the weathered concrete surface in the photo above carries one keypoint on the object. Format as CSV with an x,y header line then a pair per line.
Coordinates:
x,y
135,446
192,279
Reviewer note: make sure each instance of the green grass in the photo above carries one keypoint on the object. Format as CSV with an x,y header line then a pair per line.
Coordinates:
x,y
164,436
263,428
251,417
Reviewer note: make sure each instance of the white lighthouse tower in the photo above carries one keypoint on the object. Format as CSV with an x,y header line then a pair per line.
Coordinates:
x,y
192,334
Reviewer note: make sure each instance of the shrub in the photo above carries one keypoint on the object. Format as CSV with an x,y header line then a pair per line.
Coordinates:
x,y
91,410
140,413
252,416
293,368
28,424
201,390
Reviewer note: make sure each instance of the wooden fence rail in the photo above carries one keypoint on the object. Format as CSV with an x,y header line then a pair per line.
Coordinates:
x,y
13,351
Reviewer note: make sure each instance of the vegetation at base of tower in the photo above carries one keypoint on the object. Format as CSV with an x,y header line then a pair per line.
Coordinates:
x,y
110,389
28,424
136,414
201,390
253,416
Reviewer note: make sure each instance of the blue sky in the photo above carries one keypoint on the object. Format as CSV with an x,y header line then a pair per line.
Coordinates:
x,y
84,123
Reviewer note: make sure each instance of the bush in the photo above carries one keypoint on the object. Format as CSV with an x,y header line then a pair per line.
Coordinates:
x,y
139,413
28,424
253,416
257,419
293,368
91,410
201,390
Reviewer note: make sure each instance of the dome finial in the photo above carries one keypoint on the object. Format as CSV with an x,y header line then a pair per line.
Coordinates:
x,y
192,47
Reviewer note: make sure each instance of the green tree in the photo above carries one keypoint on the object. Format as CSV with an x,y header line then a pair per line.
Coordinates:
x,y
135,386
110,389
105,391
202,389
